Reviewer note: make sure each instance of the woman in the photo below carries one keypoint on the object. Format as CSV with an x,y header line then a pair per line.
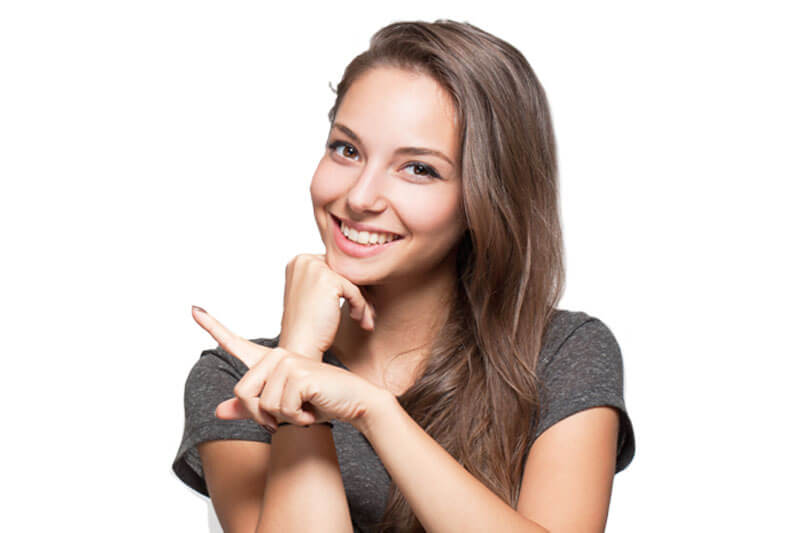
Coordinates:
x,y
457,397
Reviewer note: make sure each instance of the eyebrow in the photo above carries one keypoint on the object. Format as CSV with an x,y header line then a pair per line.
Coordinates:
x,y
413,150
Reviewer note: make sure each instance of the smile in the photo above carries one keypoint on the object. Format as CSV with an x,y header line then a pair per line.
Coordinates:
x,y
366,237
361,243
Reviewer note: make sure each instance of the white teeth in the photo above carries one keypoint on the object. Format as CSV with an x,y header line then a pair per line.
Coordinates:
x,y
366,237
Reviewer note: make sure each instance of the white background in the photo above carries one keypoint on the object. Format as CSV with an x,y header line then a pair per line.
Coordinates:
x,y
158,154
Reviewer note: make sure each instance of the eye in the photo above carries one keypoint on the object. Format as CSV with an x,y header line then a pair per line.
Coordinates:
x,y
421,169
347,151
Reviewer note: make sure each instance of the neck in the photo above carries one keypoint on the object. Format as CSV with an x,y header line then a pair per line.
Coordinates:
x,y
408,316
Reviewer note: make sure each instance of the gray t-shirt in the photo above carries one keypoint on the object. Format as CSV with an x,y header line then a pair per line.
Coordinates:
x,y
580,366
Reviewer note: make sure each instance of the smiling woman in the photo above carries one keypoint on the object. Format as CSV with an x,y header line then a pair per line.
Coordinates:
x,y
372,179
461,398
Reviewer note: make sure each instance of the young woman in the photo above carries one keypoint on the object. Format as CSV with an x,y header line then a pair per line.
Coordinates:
x,y
447,393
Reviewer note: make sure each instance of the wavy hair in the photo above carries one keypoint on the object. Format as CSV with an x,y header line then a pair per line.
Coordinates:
x,y
478,393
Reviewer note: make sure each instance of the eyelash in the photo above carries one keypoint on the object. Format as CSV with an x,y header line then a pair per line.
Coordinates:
x,y
427,168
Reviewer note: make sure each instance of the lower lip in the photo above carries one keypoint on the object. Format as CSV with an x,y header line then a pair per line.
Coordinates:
x,y
355,249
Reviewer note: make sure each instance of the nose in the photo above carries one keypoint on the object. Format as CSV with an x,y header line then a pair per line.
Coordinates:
x,y
366,194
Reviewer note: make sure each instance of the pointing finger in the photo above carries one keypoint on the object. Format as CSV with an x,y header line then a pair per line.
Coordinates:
x,y
248,352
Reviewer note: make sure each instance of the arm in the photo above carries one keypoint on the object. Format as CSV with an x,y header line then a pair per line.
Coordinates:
x,y
569,472
447,498
235,472
293,484
304,489
443,495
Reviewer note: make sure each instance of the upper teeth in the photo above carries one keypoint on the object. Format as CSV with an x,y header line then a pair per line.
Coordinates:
x,y
364,237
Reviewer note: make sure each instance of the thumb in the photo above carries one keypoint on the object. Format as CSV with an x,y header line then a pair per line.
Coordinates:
x,y
231,409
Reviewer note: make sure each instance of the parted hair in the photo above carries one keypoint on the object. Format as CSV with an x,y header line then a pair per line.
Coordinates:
x,y
478,394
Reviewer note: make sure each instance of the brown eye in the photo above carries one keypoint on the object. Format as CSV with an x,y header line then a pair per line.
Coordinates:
x,y
348,151
420,169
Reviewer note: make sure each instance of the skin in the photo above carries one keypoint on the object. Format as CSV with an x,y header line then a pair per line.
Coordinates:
x,y
368,182
393,302
418,197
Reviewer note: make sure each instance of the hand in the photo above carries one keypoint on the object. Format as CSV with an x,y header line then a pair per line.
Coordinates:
x,y
248,352
311,311
296,389
281,386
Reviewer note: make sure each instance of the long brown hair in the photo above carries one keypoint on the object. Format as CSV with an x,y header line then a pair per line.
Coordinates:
x,y
478,394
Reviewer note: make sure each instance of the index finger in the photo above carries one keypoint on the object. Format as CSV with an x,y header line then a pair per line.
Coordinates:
x,y
248,352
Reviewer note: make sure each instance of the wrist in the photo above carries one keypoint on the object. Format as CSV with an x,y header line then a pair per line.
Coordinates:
x,y
382,406
299,348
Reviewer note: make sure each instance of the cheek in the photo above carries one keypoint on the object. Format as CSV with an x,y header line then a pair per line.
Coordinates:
x,y
323,189
432,215
329,183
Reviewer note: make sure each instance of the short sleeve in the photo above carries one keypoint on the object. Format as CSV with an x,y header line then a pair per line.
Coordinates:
x,y
586,371
210,382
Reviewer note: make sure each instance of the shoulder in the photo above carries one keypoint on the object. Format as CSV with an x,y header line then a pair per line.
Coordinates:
x,y
580,366
572,336
211,381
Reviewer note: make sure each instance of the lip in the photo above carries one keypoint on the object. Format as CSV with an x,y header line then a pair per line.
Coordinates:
x,y
355,249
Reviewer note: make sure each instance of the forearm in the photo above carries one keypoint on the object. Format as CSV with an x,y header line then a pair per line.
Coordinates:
x,y
443,495
304,489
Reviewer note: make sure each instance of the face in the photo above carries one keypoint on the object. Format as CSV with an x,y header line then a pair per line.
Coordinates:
x,y
370,180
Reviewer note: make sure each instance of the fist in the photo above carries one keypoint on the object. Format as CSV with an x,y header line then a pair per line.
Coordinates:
x,y
311,311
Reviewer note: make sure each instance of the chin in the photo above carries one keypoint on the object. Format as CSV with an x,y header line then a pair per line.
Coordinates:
x,y
357,277
357,274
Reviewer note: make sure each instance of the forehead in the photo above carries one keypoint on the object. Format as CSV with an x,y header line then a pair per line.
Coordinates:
x,y
393,107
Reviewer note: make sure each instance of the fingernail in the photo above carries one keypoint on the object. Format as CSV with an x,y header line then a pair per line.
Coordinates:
x,y
199,309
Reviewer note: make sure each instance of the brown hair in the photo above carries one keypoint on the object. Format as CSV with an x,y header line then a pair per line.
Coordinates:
x,y
478,394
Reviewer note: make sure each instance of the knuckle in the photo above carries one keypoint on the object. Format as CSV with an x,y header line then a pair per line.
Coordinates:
x,y
238,390
264,404
288,362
